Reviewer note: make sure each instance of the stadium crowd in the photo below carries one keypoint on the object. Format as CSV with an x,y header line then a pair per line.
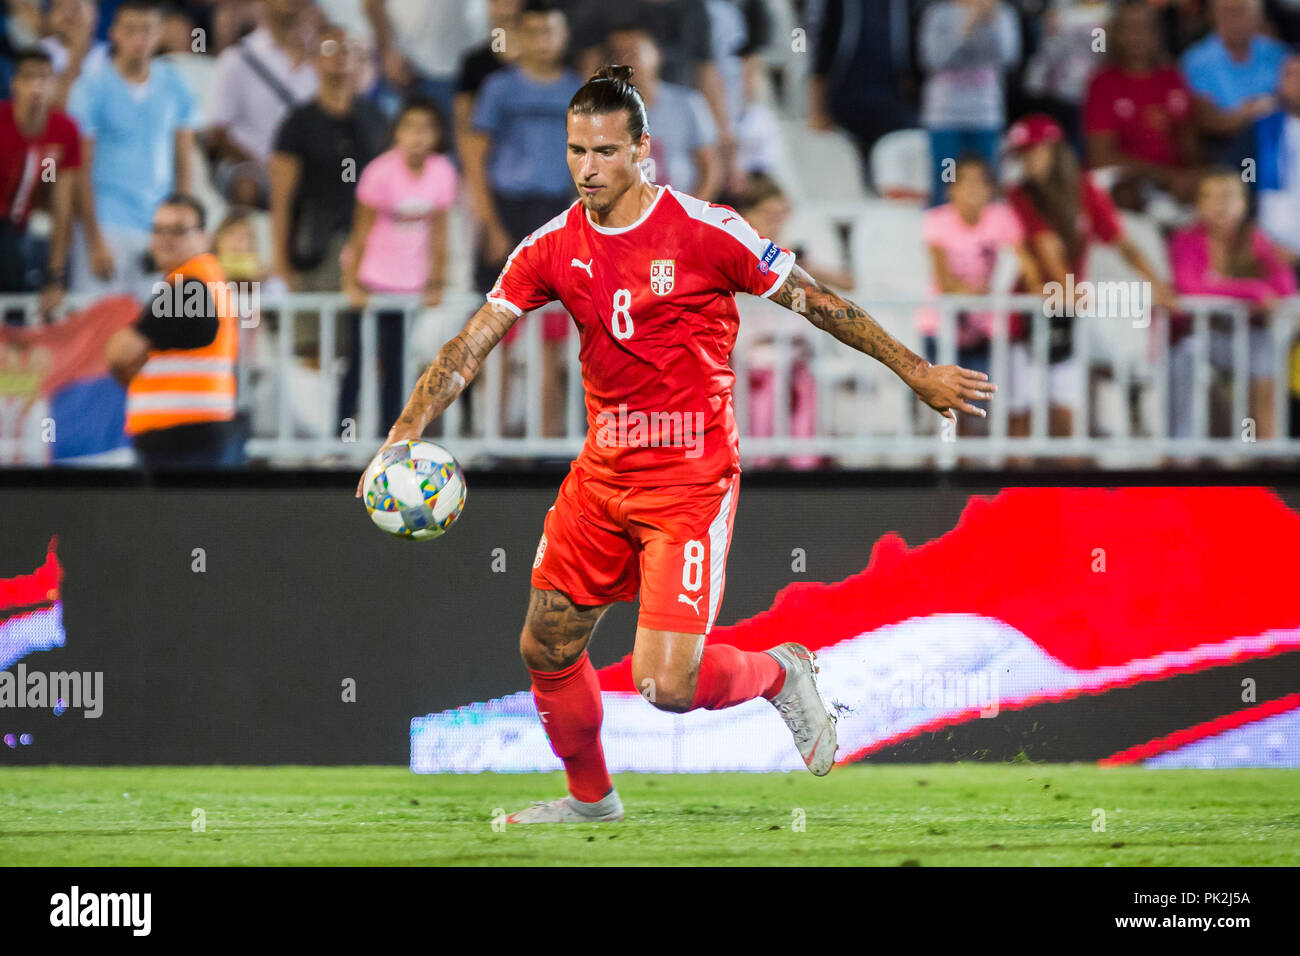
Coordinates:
x,y
337,141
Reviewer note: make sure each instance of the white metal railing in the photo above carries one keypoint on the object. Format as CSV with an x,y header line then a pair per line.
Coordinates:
x,y
865,416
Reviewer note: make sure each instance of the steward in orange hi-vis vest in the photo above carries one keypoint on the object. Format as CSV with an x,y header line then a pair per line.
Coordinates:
x,y
189,375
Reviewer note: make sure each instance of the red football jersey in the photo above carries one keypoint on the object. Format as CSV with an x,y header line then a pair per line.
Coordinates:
x,y
1098,220
655,307
1141,109
23,166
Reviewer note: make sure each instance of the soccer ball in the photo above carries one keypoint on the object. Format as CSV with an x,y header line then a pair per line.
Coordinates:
x,y
414,490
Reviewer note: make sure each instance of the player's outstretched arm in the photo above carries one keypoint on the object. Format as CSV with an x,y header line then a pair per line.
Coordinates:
x,y
945,388
455,367
458,361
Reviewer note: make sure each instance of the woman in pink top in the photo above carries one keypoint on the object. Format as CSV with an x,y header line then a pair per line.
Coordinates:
x,y
399,240
1224,254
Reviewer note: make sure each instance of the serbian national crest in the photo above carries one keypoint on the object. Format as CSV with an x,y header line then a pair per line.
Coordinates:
x,y
661,276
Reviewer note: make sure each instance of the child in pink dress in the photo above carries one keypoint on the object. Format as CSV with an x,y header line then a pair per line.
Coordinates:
x,y
965,237
399,242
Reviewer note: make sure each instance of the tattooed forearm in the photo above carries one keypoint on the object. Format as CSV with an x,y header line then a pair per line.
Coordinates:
x,y
456,365
831,312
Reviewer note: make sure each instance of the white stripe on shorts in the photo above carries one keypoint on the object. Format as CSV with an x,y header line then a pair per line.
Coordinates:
x,y
718,555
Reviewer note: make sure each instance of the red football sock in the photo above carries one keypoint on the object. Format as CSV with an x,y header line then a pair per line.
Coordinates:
x,y
730,676
569,702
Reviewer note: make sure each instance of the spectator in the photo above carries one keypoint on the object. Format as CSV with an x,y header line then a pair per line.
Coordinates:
x,y
738,30
681,28
517,178
1223,254
1278,149
178,361
40,162
399,241
480,63
137,119
70,41
234,243
765,207
177,29
965,237
1138,114
760,146
1063,212
682,31
966,46
231,21
420,45
683,141
862,71
1233,74
21,20
1056,74
319,150
259,81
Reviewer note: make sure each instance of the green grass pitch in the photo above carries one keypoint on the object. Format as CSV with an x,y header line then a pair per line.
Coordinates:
x,y
933,815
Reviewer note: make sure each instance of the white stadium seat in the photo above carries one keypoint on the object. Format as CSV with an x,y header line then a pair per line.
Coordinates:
x,y
900,165
1119,339
888,252
826,166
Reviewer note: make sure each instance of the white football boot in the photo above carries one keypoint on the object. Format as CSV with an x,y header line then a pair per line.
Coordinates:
x,y
801,706
608,809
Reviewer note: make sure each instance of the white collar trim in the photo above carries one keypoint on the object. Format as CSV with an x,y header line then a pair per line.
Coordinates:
x,y
616,230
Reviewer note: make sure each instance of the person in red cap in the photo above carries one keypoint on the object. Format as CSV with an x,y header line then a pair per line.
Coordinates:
x,y
1063,213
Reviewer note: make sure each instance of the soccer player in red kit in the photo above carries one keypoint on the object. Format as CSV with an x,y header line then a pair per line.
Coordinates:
x,y
650,275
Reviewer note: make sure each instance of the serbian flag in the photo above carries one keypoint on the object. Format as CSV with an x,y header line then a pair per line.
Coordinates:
x,y
57,398
1132,625
31,611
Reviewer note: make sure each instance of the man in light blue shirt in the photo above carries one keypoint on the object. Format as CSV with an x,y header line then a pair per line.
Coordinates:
x,y
137,117
524,114
1233,74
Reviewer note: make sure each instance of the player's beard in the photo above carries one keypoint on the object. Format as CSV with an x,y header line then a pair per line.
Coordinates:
x,y
596,204
606,199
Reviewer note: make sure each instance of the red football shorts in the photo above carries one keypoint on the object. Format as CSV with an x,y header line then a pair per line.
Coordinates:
x,y
602,541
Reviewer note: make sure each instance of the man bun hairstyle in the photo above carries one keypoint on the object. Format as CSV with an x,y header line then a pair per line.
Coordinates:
x,y
610,90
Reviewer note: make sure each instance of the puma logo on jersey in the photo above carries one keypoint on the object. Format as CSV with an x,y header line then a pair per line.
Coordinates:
x,y
579,264
728,219
683,599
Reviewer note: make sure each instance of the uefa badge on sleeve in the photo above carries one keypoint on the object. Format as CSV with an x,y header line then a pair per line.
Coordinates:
x,y
661,276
